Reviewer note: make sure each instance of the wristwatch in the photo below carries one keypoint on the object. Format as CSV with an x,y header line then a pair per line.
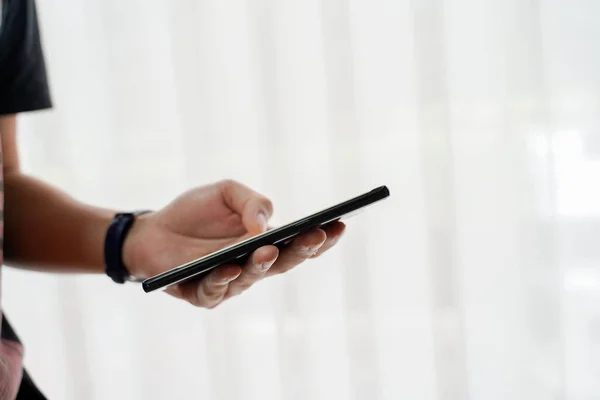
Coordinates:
x,y
113,246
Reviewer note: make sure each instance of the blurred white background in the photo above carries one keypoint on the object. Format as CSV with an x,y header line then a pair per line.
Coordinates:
x,y
478,279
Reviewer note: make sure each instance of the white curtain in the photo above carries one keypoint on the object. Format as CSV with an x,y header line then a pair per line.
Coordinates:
x,y
479,278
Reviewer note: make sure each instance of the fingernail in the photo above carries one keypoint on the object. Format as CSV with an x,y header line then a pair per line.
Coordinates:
x,y
265,266
262,220
315,248
229,278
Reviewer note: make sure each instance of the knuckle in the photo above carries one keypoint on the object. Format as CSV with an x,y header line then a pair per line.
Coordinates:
x,y
268,204
209,302
211,292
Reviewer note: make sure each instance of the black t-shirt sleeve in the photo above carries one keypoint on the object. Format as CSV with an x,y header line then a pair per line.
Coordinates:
x,y
23,79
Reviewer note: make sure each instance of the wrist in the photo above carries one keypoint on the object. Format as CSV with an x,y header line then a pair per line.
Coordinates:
x,y
133,247
119,246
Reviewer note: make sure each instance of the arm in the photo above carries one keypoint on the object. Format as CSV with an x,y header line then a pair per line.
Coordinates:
x,y
45,229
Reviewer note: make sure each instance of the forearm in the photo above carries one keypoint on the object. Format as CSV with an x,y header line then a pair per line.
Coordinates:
x,y
45,229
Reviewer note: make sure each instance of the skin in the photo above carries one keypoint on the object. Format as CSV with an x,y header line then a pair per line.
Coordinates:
x,y
47,230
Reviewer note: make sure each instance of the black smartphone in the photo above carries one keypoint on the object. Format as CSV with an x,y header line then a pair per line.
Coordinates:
x,y
237,253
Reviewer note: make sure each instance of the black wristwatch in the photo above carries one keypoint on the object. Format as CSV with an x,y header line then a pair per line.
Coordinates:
x,y
113,245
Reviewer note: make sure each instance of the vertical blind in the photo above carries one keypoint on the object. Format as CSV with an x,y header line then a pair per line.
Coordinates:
x,y
478,279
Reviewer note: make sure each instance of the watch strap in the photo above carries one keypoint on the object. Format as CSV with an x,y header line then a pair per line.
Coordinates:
x,y
113,245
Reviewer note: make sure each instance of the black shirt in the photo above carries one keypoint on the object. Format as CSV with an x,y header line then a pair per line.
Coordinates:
x,y
23,87
23,81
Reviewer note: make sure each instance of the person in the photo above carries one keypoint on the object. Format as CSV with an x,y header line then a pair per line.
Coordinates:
x,y
48,230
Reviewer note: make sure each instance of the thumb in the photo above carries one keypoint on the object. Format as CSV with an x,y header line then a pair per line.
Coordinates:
x,y
256,214
254,208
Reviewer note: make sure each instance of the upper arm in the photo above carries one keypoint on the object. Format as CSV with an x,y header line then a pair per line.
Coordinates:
x,y
8,135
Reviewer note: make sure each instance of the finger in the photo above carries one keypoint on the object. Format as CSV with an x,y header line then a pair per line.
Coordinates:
x,y
209,291
302,248
254,270
254,208
334,232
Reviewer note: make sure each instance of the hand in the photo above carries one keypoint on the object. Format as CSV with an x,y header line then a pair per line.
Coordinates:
x,y
206,219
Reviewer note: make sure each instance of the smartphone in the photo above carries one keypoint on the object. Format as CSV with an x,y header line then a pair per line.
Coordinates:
x,y
238,252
